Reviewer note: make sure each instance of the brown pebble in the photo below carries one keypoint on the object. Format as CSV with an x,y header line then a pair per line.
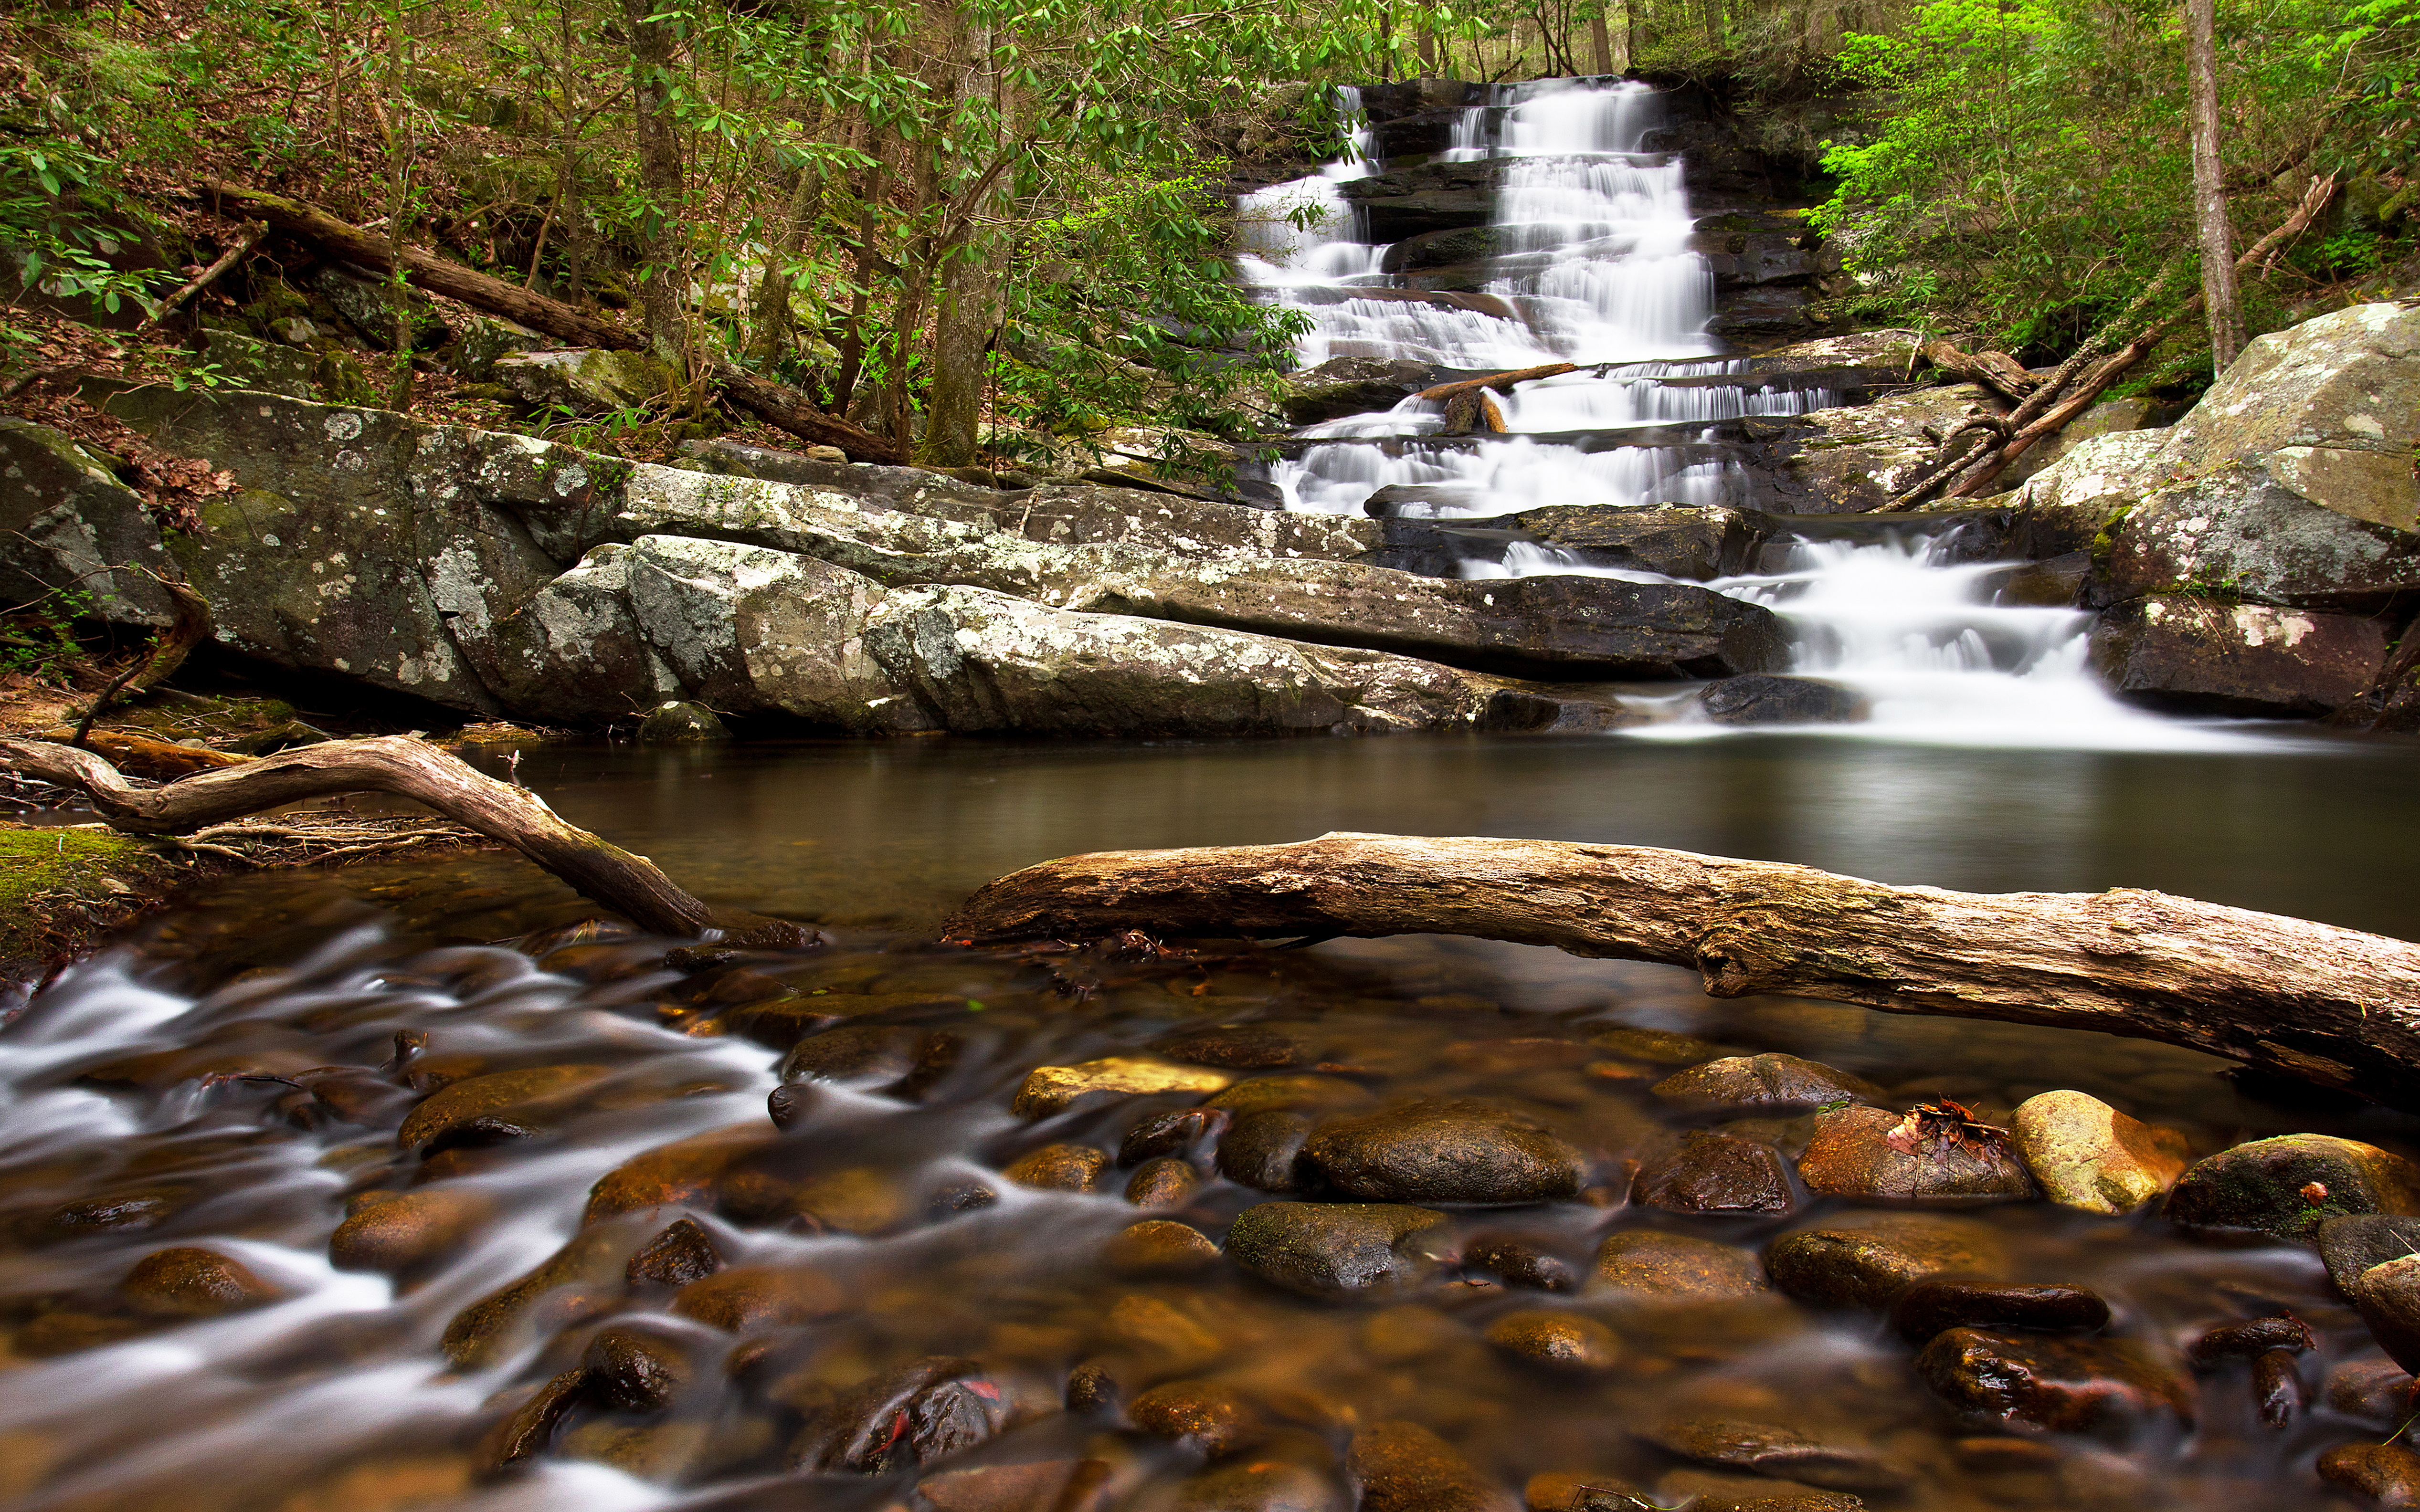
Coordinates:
x,y
1206,1416
408,1230
2388,1474
1519,1261
639,1367
189,1282
2251,1340
529,1430
683,1253
1091,1388
2277,1387
1164,1183
1557,1340
2374,1391
1158,1248
1172,1134
1060,1168
748,1296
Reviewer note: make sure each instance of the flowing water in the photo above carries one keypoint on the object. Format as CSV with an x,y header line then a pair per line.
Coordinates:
x,y
235,1075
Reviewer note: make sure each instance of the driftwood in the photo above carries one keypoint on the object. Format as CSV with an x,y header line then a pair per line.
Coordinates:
x,y
411,768
189,628
1996,371
2328,1005
1500,382
784,407
237,250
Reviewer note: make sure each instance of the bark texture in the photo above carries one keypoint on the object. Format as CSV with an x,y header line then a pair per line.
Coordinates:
x,y
406,767
2218,294
2332,1006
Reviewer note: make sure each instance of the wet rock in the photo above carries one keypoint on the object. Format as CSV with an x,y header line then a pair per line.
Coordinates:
x,y
1713,1490
1021,1485
871,1055
1870,1265
746,1297
917,1414
679,722
2192,654
575,1282
1936,1304
1761,698
2351,1245
790,1104
2288,1185
1158,1248
1350,386
2377,1392
1458,1152
1699,542
2277,1391
1303,1094
1332,1249
1164,1183
684,1172
189,1282
1060,1168
1402,1467
1655,1045
2384,1474
1716,1173
1565,1342
1563,1490
528,1431
1206,1416
2388,1296
405,1230
501,1105
1256,1485
1176,1133
69,1331
1768,1081
2059,1385
639,1367
1093,1387
1520,1261
1168,1339
1235,1046
1264,1149
1056,1088
2088,1155
683,1253
2251,1340
2249,529
1784,1453
1872,1154
1644,1266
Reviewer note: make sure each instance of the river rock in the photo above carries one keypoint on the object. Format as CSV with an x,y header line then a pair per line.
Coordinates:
x,y
1855,460
683,1253
65,518
920,1413
1713,1490
1767,1081
576,1281
1254,1486
2384,1474
1857,1153
1158,1248
1235,1046
1716,1173
2388,1296
640,1366
1937,1303
404,1230
1051,1089
1451,1151
1350,386
679,722
1303,1093
1264,1149
1658,1045
1640,1265
2199,654
190,1282
2058,1385
1402,1467
2086,1155
501,1105
2352,1244
1335,1249
1164,1183
1784,1453
1519,1260
687,1171
1212,1419
1699,542
1760,700
2250,1339
2376,1392
1569,1343
1177,1132
870,1056
1060,1168
2288,1185
1868,1266
743,1299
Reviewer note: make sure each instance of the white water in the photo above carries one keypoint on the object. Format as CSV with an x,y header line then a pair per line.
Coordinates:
x,y
1596,268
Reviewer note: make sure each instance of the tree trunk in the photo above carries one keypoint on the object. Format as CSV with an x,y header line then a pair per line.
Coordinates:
x,y
406,767
774,326
1601,38
664,285
2328,1005
2220,303
969,303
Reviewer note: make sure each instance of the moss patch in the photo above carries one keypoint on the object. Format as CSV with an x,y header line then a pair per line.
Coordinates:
x,y
59,889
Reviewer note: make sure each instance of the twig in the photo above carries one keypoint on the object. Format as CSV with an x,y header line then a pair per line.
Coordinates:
x,y
253,233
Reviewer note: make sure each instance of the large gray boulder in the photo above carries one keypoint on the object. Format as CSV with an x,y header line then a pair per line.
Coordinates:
x,y
2240,531
1853,460
574,653
67,527
2207,656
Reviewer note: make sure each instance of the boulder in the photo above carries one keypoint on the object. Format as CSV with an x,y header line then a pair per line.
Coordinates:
x,y
2207,656
1333,1249
574,652
2056,1385
1762,700
2290,1185
1763,1082
1447,248
583,381
2375,1261
1454,1151
2242,530
679,722
1875,1155
1351,386
1868,1265
1853,460
1699,542
2086,1155
1716,1173
2109,417
67,525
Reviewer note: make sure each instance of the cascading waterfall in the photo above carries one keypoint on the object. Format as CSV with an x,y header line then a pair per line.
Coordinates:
x,y
1593,264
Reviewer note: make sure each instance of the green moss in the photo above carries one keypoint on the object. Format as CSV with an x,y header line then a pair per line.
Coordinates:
x,y
60,887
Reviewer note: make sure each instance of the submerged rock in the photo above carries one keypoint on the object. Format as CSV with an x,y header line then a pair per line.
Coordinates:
x,y
1767,1081
1641,1265
1716,1173
2288,1185
1060,1168
1451,1151
1519,1261
503,1105
1158,1248
189,1282
1784,1453
1569,1343
1051,1089
2384,1474
1937,1304
1211,1419
1402,1467
1332,1249
2088,1155
1767,700
402,1231
1874,1155
2058,1385
1870,1265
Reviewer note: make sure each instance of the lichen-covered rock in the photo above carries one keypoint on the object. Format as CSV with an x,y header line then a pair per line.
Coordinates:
x,y
1350,386
2209,655
1692,541
574,652
1854,461
2288,1185
582,381
2088,1155
67,525
681,723
2244,531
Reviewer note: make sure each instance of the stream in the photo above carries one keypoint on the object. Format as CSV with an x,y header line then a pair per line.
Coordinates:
x,y
236,1074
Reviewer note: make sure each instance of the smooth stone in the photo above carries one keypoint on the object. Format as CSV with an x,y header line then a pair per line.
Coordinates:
x,y
1402,1467
2086,1155
1164,1183
1093,1387
1210,1418
1783,1453
1174,1133
683,1173
409,1229
1767,1081
1308,1092
1519,1261
2250,1339
1646,1266
2052,1384
1558,1342
2288,1185
2388,1296
1264,1149
911,1415
572,1283
1235,1046
1716,1173
528,1431
746,1297
2384,1474
1254,1486
1936,1304
872,1055
683,1253
639,1367
503,1104
1712,1491
1868,1266
1022,1485
1580,1490
1763,698
1656,1045
2352,1244
1853,1155
2377,1392
1452,1151
1050,1090
1158,1248
2277,1391
1058,1168
1331,1249
189,1282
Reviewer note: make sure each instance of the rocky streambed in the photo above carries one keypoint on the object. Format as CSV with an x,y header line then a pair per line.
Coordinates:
x,y
431,1190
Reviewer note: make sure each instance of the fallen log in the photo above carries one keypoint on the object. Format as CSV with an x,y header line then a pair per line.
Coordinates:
x,y
775,403
2328,1005
406,767
1996,371
1500,382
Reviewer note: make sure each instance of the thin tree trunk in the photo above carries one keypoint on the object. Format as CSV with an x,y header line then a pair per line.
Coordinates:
x,y
774,324
2328,1005
968,308
868,261
1601,38
2220,303
1428,53
664,285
